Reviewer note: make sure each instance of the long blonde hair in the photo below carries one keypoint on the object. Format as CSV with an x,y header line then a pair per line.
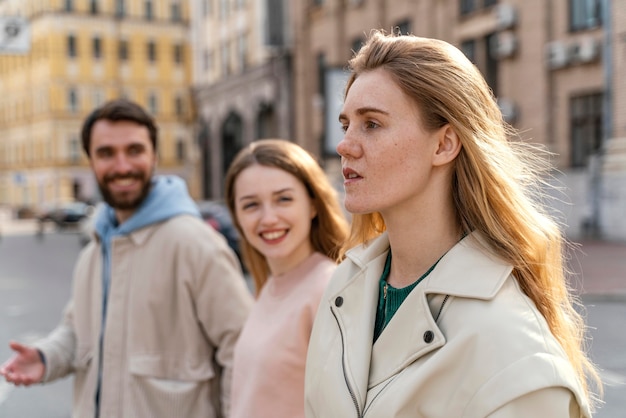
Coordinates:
x,y
329,228
496,184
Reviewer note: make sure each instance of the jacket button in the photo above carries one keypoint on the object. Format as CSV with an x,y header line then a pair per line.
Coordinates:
x,y
428,337
338,301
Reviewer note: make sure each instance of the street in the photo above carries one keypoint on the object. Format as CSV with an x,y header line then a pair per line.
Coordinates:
x,y
35,279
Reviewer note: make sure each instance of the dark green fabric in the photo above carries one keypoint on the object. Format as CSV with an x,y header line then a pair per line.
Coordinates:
x,y
388,304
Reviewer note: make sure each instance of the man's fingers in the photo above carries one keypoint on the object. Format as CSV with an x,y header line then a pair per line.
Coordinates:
x,y
15,346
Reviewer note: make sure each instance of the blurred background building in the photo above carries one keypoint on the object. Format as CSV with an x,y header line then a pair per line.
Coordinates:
x,y
249,69
82,53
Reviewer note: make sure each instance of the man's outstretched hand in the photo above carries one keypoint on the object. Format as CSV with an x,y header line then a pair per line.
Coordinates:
x,y
25,367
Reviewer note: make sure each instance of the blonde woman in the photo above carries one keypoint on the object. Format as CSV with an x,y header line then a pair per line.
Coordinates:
x,y
454,302
292,229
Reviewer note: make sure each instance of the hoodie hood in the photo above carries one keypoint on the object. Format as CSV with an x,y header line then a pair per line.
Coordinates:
x,y
168,197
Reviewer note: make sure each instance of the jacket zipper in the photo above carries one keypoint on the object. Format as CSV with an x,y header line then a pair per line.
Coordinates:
x,y
343,366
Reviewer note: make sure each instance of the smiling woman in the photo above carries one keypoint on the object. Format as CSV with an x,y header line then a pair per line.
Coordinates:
x,y
292,229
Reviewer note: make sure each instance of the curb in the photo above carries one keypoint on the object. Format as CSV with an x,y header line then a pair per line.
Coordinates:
x,y
616,297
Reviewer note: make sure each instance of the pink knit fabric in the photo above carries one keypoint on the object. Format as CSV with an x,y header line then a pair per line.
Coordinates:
x,y
268,375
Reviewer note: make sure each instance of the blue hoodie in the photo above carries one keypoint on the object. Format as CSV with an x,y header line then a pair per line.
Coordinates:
x,y
168,197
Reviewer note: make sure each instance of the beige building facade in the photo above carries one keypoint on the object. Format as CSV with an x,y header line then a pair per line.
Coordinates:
x,y
82,53
241,80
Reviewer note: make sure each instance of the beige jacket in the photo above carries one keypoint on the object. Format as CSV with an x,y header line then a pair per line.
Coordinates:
x,y
466,343
176,305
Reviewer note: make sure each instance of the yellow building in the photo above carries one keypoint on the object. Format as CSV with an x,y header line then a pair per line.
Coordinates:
x,y
82,53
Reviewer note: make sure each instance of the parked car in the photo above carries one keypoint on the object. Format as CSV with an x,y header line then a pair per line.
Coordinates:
x,y
215,213
86,226
65,215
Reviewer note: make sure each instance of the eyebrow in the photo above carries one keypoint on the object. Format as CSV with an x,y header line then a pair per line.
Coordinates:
x,y
364,110
251,196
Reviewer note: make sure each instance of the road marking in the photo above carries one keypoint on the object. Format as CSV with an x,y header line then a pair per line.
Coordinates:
x,y
14,283
13,311
5,389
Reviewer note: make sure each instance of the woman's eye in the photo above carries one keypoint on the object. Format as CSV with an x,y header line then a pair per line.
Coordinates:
x,y
285,199
249,205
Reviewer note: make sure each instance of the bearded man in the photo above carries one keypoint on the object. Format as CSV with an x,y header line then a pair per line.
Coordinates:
x,y
158,297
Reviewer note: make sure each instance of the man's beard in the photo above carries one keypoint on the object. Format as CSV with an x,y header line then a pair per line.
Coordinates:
x,y
126,203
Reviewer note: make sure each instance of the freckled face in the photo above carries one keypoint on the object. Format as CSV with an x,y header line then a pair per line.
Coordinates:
x,y
274,211
386,152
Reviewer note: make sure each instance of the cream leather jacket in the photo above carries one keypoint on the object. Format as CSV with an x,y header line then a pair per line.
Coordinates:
x,y
466,343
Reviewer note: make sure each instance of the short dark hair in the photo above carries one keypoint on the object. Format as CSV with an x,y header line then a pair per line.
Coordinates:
x,y
118,110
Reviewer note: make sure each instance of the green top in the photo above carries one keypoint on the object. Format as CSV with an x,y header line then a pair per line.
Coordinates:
x,y
390,298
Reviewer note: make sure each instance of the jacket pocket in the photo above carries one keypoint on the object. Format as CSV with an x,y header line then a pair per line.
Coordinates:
x,y
162,387
84,355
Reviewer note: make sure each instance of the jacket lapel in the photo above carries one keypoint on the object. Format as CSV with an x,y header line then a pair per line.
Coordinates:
x,y
355,317
411,334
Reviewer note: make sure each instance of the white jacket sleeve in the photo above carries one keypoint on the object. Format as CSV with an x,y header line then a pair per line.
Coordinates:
x,y
554,402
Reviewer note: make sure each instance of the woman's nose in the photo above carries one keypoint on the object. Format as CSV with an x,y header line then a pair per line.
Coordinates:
x,y
348,147
268,215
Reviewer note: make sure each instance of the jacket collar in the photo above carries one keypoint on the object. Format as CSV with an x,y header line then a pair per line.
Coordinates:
x,y
469,269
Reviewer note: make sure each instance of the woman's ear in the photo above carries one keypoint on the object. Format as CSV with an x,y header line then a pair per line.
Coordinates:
x,y
449,146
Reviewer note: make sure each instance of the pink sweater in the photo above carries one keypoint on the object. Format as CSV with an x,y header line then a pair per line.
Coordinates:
x,y
270,355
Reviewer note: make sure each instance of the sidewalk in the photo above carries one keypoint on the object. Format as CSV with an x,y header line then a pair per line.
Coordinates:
x,y
599,267
600,270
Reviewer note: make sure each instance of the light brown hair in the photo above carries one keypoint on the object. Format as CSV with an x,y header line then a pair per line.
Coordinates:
x,y
497,180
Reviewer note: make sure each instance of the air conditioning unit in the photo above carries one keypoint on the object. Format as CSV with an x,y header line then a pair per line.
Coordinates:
x,y
587,49
509,110
506,16
557,55
505,45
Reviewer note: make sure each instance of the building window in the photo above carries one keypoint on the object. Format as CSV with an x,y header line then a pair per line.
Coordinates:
x,y
491,63
206,60
122,50
357,44
469,49
148,12
584,14
93,7
179,107
97,47
175,12
586,127
73,149
223,12
180,150
72,100
119,8
72,50
207,7
225,58
403,27
178,53
98,98
153,103
69,5
242,52
151,51
467,6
